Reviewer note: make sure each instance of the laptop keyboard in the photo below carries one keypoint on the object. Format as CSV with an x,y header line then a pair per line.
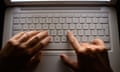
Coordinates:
x,y
85,26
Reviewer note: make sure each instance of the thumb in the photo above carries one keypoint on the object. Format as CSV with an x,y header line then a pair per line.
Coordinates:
x,y
70,63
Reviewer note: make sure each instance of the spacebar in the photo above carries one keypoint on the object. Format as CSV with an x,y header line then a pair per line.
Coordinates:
x,y
58,46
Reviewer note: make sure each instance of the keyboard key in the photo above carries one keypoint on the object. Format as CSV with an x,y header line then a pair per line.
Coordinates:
x,y
87,32
85,26
99,26
55,20
72,26
25,26
52,26
95,20
22,20
84,38
32,26
29,20
100,32
82,20
53,32
49,20
16,20
42,20
90,38
106,38
75,20
38,26
60,32
92,26
94,32
80,32
89,20
65,26
74,32
69,20
63,39
62,20
45,26
78,26
103,20
57,39
58,26
35,20
106,31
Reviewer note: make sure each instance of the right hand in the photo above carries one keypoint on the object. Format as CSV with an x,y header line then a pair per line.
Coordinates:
x,y
91,57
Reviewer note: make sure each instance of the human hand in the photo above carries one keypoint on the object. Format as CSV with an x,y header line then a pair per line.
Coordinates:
x,y
91,57
22,51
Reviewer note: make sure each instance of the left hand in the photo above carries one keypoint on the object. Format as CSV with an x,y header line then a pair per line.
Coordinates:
x,y
23,51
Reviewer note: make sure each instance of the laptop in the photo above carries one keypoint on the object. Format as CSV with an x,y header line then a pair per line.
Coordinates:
x,y
87,19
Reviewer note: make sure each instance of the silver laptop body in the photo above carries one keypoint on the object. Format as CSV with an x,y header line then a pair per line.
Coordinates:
x,y
85,22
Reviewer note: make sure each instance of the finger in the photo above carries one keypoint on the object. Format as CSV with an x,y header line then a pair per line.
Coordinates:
x,y
26,36
98,45
73,41
17,36
73,65
32,41
98,42
41,44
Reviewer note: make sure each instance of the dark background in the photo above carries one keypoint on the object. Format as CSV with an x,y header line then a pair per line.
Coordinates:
x,y
2,13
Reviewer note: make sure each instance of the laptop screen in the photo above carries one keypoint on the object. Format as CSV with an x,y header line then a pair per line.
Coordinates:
x,y
57,2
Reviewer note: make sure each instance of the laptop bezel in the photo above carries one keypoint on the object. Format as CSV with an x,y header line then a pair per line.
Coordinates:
x,y
9,3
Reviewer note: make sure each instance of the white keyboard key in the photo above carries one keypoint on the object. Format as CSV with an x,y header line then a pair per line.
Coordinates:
x,y
82,20
85,26
25,26
16,32
57,39
62,20
72,26
89,20
75,20
38,26
91,38
15,26
92,26
45,26
42,20
100,32
94,32
106,31
28,20
78,26
52,26
16,20
52,39
87,32
106,38
103,20
84,38
49,20
64,39
53,32
55,20
95,20
58,26
65,26
31,26
99,26
105,26
35,20
60,32
74,32
80,32
69,20
22,20
108,46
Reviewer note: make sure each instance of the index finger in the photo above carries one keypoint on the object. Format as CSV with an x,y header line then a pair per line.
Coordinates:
x,y
73,41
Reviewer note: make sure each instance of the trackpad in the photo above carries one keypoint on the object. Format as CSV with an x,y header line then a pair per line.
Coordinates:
x,y
53,63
